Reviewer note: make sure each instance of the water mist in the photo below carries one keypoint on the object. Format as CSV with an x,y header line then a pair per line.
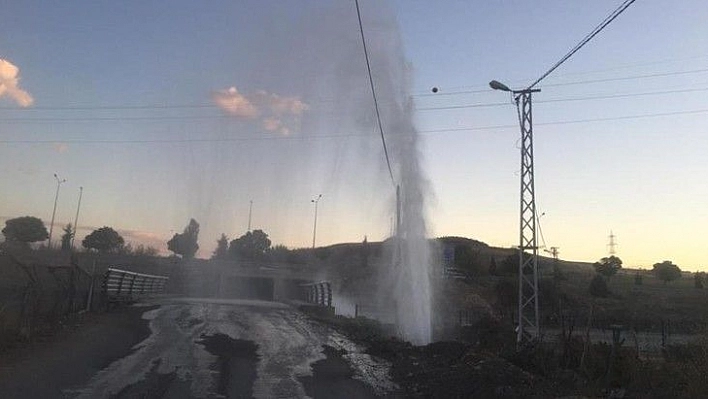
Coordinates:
x,y
333,147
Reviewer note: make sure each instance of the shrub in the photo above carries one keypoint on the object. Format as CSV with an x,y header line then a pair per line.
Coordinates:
x,y
598,287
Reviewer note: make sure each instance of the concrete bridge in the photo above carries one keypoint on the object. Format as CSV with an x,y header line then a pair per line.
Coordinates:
x,y
242,280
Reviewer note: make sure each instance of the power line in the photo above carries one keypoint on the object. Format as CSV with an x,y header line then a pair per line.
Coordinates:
x,y
209,106
373,92
585,40
111,107
445,107
349,135
588,81
574,121
484,88
553,100
652,75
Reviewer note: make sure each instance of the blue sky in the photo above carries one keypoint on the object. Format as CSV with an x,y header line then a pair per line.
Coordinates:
x,y
148,78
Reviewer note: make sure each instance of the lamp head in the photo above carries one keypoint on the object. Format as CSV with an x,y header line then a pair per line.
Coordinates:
x,y
496,85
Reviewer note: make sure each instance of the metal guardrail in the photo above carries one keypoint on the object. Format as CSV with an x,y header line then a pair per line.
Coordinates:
x,y
319,293
121,285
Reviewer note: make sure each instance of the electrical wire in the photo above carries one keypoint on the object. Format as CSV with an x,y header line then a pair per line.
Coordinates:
x,y
568,122
554,100
373,93
208,106
484,88
588,81
585,40
206,117
540,231
336,136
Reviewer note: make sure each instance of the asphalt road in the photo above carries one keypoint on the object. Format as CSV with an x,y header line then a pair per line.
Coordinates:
x,y
198,348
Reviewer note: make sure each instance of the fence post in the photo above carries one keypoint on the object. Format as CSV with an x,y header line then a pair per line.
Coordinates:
x,y
120,285
329,294
93,279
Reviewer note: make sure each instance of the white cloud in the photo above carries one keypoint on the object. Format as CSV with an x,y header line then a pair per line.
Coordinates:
x,y
61,147
234,103
280,105
271,124
276,113
9,84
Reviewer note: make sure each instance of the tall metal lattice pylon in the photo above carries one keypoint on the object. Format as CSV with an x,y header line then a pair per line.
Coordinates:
x,y
612,244
528,327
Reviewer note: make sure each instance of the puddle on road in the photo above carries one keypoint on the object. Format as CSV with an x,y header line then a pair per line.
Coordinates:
x,y
156,385
206,350
332,377
236,364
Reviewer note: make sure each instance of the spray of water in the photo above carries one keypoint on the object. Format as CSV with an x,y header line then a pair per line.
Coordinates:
x,y
411,255
316,61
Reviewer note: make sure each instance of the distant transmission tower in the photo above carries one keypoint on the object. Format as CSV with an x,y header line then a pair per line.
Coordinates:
x,y
554,251
612,244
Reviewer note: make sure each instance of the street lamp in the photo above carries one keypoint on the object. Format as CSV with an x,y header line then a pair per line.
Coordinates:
x,y
529,327
498,86
250,212
314,228
56,198
76,219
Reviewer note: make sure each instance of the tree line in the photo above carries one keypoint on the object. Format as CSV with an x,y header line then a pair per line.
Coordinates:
x,y
253,245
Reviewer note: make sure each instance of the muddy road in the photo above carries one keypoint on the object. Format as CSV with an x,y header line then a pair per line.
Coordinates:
x,y
207,348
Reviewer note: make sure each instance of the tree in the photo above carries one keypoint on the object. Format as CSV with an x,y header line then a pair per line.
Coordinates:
x,y
66,237
467,259
103,240
365,252
24,230
252,245
493,267
608,266
598,287
666,271
510,264
279,253
222,248
185,244
142,250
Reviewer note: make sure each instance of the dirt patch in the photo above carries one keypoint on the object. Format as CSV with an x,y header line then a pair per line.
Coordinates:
x,y
332,378
442,369
156,385
43,369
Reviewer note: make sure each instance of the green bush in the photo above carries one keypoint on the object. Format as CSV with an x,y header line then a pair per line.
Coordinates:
x,y
598,287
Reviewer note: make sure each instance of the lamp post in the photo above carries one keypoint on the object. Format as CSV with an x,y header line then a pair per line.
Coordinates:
x,y
314,228
76,219
250,211
528,316
56,198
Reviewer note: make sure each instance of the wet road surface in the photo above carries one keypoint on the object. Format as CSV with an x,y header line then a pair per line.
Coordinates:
x,y
228,348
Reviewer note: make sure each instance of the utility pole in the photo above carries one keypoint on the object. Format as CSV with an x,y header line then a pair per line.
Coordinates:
x,y
54,212
528,316
612,244
314,228
76,219
250,211
398,211
528,328
554,252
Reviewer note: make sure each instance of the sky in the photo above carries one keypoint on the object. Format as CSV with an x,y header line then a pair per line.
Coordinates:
x,y
163,114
